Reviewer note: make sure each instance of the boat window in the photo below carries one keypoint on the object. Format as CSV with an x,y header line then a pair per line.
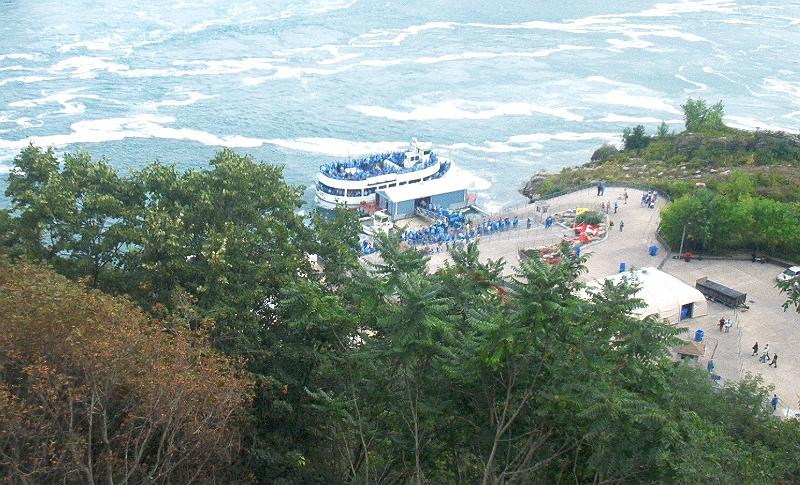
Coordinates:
x,y
403,183
392,185
413,181
381,187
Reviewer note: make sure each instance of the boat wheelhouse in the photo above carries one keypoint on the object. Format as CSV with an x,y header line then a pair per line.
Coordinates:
x,y
356,182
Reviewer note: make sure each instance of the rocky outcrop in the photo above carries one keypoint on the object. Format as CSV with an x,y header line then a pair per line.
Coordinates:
x,y
532,189
604,153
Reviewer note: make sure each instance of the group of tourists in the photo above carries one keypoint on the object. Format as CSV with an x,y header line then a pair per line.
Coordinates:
x,y
649,199
371,166
765,356
438,234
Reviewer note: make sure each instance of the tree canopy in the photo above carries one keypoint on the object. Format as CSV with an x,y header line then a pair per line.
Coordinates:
x,y
93,390
701,118
353,373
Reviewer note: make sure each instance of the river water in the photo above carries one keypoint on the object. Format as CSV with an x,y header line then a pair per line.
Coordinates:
x,y
504,88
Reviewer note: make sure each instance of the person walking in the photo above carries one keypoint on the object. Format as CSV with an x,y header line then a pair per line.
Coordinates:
x,y
616,206
728,325
755,349
764,354
599,188
625,196
721,323
621,225
774,362
774,402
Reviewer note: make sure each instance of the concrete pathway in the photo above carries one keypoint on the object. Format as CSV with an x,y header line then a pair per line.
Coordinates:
x,y
629,245
765,321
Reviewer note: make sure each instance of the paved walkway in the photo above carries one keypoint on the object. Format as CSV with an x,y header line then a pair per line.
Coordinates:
x,y
629,245
765,322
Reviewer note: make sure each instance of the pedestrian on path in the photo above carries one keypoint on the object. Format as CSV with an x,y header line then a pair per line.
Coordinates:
x,y
728,325
625,196
621,225
755,349
774,402
764,354
611,224
721,323
774,362
616,206
599,189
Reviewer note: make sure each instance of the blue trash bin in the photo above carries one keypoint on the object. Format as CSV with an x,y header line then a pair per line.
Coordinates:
x,y
622,267
698,335
653,250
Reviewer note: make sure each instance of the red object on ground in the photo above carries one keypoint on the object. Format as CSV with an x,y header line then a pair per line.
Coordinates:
x,y
370,208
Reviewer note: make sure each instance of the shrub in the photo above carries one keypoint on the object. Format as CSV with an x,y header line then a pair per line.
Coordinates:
x,y
590,217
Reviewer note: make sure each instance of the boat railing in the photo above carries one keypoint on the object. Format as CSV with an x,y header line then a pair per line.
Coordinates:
x,y
434,216
364,168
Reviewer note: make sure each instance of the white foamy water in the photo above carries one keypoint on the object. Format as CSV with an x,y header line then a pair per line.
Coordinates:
x,y
505,89
460,109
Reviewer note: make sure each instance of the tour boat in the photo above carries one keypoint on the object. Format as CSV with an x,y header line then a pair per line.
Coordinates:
x,y
355,182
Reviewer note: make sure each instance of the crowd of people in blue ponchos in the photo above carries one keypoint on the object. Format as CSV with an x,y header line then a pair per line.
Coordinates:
x,y
368,247
649,199
371,166
451,227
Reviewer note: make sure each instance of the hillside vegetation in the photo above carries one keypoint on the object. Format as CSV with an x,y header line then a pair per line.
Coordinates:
x,y
246,363
733,189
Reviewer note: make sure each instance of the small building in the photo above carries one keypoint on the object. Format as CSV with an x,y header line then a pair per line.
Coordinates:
x,y
446,193
663,295
691,351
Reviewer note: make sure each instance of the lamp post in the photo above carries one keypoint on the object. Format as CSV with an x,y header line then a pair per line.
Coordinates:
x,y
683,236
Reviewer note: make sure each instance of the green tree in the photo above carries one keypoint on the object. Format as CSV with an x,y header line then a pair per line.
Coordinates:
x,y
336,243
663,130
38,201
701,118
72,216
635,138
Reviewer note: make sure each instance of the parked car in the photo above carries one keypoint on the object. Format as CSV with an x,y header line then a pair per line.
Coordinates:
x,y
790,273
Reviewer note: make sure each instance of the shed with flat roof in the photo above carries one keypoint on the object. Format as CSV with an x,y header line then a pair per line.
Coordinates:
x,y
447,192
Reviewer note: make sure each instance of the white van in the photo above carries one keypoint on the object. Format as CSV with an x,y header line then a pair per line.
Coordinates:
x,y
790,274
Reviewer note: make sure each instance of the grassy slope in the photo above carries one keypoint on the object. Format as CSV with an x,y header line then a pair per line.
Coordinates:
x,y
677,163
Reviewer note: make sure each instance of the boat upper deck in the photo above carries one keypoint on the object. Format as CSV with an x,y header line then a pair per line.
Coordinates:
x,y
374,165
